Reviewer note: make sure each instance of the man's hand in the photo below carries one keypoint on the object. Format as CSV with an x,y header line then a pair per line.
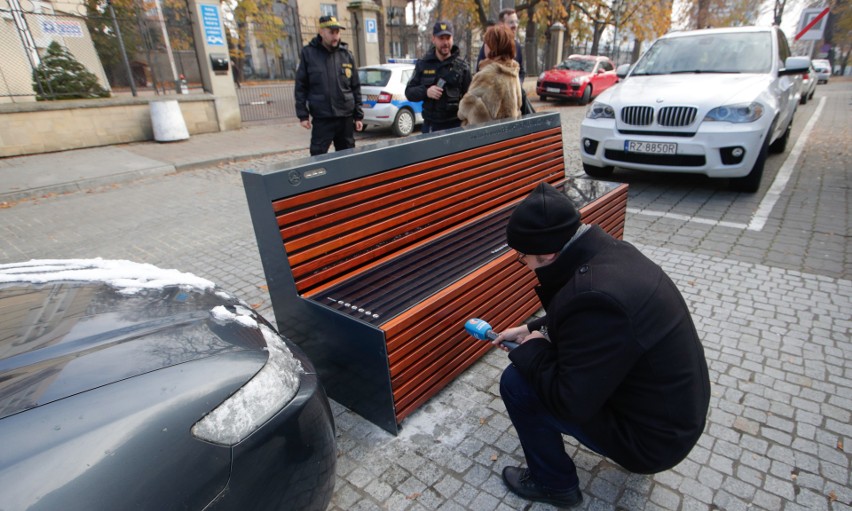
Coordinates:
x,y
306,124
434,92
518,334
359,125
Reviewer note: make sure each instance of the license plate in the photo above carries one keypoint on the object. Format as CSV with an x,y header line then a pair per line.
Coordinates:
x,y
633,146
553,89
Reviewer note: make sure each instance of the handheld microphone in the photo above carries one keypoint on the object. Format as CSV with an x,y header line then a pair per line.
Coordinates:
x,y
480,329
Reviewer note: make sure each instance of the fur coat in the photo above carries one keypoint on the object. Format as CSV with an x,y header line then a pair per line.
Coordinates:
x,y
494,93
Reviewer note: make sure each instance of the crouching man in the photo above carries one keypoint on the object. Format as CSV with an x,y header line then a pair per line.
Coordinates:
x,y
616,361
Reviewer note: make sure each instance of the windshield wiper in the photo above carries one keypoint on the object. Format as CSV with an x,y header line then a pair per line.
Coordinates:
x,y
703,71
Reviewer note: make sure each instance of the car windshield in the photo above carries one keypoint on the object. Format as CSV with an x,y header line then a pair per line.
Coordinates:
x,y
577,65
373,77
709,53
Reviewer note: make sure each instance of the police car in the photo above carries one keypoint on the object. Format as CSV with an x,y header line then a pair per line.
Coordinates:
x,y
383,94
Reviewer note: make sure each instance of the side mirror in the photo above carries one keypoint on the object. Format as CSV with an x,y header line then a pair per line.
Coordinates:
x,y
622,71
795,66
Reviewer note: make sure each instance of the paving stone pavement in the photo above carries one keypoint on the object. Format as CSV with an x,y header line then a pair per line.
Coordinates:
x,y
776,333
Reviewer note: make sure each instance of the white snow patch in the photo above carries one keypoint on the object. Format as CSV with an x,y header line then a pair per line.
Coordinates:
x,y
258,400
126,276
243,316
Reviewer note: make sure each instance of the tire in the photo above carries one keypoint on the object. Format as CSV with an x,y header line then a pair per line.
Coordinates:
x,y
598,172
804,99
751,182
403,123
587,95
780,145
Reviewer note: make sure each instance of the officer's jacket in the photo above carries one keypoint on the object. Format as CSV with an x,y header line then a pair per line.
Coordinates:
x,y
327,83
428,70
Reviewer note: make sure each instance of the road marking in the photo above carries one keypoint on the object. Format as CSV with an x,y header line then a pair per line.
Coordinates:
x,y
758,220
685,218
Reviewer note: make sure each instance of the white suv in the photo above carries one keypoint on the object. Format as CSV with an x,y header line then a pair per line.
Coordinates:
x,y
711,102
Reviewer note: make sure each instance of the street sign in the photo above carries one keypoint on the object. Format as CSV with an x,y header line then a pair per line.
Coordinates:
x,y
372,29
811,24
212,27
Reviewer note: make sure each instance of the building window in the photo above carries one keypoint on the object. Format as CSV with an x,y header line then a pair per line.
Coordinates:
x,y
328,10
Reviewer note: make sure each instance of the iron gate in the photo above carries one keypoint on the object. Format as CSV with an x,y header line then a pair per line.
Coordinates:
x,y
262,102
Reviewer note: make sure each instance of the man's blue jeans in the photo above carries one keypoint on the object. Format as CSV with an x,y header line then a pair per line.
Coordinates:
x,y
541,433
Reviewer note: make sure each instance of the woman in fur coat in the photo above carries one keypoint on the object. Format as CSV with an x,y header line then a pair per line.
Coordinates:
x,y
495,92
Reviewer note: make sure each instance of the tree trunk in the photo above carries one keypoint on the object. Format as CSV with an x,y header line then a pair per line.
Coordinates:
x,y
702,17
637,50
596,37
531,49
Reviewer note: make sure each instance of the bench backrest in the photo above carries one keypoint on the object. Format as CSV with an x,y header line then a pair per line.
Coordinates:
x,y
369,209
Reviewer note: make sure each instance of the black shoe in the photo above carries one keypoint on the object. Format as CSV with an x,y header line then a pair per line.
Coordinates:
x,y
519,481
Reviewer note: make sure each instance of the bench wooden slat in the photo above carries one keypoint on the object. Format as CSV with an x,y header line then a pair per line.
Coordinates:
x,y
340,199
351,222
452,364
309,277
298,201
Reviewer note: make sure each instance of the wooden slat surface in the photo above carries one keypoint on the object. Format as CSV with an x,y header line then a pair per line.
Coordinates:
x,y
343,229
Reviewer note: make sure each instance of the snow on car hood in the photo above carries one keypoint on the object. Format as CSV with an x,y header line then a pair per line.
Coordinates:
x,y
705,91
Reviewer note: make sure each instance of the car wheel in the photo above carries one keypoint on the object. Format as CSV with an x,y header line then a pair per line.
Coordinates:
x,y
587,95
751,181
780,145
598,172
403,123
804,99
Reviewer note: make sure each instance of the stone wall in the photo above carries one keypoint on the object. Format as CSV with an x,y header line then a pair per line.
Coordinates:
x,y
32,128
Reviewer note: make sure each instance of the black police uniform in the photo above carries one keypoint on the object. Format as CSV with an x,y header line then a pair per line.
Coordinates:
x,y
328,90
439,114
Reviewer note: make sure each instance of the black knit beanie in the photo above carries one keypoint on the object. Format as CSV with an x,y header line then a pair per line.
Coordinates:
x,y
543,222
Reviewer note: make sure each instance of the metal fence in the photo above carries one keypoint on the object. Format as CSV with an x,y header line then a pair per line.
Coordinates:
x,y
131,47
264,102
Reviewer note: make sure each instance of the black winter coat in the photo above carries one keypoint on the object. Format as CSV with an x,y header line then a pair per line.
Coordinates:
x,y
327,83
428,70
624,360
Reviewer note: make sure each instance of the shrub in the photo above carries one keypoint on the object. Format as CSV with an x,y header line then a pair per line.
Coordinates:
x,y
63,77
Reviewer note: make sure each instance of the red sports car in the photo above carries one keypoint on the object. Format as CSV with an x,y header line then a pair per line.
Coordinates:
x,y
579,77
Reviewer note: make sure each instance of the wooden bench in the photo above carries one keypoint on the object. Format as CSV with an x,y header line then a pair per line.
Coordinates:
x,y
374,257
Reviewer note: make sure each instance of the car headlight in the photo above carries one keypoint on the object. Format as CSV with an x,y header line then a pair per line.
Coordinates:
x,y
736,113
600,111
577,80
258,400
541,76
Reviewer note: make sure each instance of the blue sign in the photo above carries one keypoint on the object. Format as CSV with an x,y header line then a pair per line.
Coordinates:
x,y
212,27
372,29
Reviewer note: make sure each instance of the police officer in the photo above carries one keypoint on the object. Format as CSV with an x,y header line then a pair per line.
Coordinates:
x,y
440,80
328,90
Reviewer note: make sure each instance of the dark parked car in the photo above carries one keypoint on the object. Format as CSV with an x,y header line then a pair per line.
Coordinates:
x,y
125,386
